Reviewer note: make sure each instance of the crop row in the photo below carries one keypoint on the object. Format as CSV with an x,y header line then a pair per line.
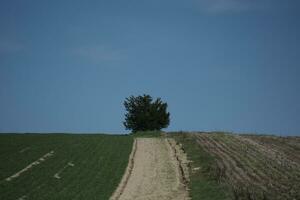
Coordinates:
x,y
254,170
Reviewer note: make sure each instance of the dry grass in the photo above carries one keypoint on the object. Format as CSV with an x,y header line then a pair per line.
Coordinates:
x,y
256,167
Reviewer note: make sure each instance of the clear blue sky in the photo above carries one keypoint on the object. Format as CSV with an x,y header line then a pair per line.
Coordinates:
x,y
67,66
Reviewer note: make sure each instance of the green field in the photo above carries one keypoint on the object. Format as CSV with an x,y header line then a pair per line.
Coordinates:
x,y
76,166
224,166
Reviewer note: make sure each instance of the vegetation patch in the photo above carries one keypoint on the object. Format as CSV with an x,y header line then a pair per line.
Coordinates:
x,y
88,166
148,134
252,166
204,183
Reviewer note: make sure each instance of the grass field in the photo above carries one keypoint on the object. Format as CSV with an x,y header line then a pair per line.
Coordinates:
x,y
223,166
61,166
228,166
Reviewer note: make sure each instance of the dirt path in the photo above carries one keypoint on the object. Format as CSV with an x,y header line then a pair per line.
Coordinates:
x,y
155,172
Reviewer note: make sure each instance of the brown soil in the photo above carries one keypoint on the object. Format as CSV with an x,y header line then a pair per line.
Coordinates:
x,y
256,166
156,171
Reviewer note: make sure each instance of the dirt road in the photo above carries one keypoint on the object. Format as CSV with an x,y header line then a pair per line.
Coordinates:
x,y
155,172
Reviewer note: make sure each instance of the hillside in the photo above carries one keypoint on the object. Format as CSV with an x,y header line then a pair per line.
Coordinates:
x,y
204,166
228,166
60,166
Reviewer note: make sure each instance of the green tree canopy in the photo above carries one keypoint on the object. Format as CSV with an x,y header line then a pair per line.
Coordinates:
x,y
144,114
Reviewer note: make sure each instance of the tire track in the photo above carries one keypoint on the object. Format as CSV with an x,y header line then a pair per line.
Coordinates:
x,y
155,171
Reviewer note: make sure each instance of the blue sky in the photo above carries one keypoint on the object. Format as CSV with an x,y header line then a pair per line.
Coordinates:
x,y
232,65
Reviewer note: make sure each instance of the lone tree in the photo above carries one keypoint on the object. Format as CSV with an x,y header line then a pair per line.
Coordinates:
x,y
145,115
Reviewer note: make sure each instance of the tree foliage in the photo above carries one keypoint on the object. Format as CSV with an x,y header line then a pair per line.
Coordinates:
x,y
144,114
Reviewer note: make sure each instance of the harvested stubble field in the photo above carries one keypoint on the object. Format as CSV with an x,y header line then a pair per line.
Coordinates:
x,y
61,166
230,166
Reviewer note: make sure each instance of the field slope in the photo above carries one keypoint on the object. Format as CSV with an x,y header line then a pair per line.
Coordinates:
x,y
61,166
230,166
220,167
